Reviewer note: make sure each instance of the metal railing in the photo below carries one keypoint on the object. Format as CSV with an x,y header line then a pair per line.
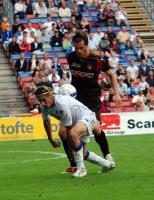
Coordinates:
x,y
149,6
8,10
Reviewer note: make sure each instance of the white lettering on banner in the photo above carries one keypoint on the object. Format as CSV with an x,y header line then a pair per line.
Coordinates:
x,y
130,123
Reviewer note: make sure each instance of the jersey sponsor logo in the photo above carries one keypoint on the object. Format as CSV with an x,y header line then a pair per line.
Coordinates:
x,y
75,65
110,122
82,74
90,67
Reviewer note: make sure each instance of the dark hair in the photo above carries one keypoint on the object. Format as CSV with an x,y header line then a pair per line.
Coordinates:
x,y
42,90
80,36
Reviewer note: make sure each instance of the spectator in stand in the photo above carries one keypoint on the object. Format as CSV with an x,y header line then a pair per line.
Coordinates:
x,y
52,10
36,46
150,78
33,64
143,85
143,68
64,11
29,9
150,98
113,60
58,23
29,29
98,35
41,9
55,63
45,62
64,80
137,42
121,70
21,35
133,70
65,70
104,44
24,45
31,38
45,38
128,45
77,14
111,34
62,30
122,87
20,9
139,101
114,5
127,79
13,46
56,39
132,90
143,54
92,42
7,36
123,35
20,64
4,24
48,25
114,46
105,106
121,16
54,79
84,24
74,23
16,24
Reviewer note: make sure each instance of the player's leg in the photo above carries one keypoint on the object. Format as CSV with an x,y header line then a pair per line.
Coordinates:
x,y
74,135
63,136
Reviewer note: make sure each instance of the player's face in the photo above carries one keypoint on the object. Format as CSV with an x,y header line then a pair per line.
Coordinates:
x,y
46,101
80,49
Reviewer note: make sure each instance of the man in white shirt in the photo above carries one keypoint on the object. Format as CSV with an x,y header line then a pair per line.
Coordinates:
x,y
133,70
79,122
29,29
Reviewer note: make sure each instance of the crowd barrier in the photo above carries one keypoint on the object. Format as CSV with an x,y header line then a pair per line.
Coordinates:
x,y
28,127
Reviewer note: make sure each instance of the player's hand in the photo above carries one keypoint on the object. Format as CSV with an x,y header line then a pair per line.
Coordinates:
x,y
117,99
55,143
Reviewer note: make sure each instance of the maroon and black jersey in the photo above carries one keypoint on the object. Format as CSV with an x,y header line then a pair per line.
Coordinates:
x,y
85,74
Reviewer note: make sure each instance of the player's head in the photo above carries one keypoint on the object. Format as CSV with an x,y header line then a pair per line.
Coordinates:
x,y
44,96
80,42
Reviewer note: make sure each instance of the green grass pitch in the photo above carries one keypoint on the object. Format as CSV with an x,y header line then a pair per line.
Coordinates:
x,y
28,174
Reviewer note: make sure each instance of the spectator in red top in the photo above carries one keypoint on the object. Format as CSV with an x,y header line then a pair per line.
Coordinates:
x,y
24,45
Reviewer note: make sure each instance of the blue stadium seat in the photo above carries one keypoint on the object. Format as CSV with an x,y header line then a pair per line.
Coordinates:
x,y
57,48
25,74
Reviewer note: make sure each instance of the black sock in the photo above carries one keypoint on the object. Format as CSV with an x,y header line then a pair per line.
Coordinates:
x,y
103,143
67,151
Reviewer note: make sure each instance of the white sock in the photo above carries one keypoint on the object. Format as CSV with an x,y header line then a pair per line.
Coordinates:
x,y
92,157
78,155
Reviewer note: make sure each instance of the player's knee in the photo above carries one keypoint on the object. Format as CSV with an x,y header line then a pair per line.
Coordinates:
x,y
73,135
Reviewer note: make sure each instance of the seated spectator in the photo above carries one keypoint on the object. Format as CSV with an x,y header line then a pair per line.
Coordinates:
x,y
44,38
6,38
98,35
122,87
75,13
113,60
150,98
4,24
52,9
121,16
84,24
143,54
54,79
114,5
139,101
104,43
33,64
13,46
121,70
64,11
65,70
20,37
150,78
45,63
56,39
133,70
92,42
137,42
123,35
111,34
29,9
55,63
128,45
65,80
24,45
21,64
36,46
114,46
58,23
16,24
127,79
132,90
31,38
105,106
143,68
143,85
62,30
48,25
19,33
30,29
20,9
41,10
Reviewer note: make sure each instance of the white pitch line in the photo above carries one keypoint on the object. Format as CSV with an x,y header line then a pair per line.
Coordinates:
x,y
58,155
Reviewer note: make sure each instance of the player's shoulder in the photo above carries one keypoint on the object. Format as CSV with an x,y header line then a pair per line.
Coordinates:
x,y
95,54
71,55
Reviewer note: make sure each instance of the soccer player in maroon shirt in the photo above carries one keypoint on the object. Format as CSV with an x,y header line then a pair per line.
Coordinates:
x,y
85,67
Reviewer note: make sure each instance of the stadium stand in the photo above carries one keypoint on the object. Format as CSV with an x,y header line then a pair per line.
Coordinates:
x,y
115,29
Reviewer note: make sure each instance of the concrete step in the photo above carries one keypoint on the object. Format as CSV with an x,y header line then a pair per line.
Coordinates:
x,y
12,105
5,111
5,66
9,87
6,79
5,72
11,92
13,98
3,60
